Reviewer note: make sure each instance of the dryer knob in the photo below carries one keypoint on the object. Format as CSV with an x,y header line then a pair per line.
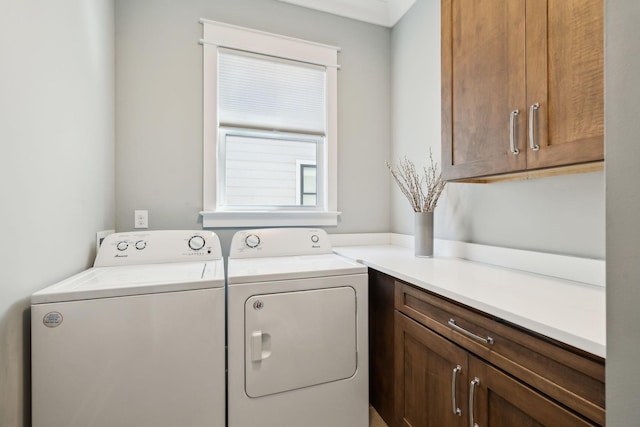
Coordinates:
x,y
315,238
196,243
123,245
252,241
141,244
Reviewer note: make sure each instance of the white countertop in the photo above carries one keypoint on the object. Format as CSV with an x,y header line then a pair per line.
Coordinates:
x,y
567,311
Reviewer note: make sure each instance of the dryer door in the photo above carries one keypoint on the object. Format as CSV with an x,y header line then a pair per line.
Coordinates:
x,y
299,339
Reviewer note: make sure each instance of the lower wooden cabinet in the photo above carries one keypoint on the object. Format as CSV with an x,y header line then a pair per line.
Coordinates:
x,y
439,384
499,376
498,400
428,392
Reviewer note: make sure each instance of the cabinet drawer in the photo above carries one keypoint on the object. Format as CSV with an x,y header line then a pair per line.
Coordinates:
x,y
568,375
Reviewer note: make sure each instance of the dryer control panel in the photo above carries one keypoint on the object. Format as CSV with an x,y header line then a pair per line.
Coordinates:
x,y
158,246
274,242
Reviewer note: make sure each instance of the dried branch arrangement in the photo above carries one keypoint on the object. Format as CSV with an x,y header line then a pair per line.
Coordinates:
x,y
422,192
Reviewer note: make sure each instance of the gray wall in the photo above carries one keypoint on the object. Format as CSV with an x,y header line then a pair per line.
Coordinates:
x,y
57,163
159,107
622,106
562,215
56,166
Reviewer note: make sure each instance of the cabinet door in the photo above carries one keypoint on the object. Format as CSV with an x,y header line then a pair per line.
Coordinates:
x,y
565,77
424,371
501,401
483,81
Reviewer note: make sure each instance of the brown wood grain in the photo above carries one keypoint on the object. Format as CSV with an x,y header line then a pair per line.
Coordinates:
x,y
499,56
539,173
483,70
565,75
424,369
568,375
502,401
381,345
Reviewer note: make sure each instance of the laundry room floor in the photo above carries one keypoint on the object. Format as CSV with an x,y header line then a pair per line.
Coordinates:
x,y
374,419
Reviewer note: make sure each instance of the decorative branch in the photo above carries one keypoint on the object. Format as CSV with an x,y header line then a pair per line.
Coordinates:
x,y
423,192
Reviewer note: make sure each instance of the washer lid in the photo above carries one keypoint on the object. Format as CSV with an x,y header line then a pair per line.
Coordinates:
x,y
106,282
253,270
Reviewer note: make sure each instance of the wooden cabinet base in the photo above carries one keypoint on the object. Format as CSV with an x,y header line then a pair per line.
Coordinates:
x,y
421,372
502,401
381,351
424,373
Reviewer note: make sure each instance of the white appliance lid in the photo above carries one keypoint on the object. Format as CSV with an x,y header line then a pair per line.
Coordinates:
x,y
251,270
107,282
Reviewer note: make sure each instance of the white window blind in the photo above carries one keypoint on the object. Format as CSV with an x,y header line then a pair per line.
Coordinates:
x,y
262,92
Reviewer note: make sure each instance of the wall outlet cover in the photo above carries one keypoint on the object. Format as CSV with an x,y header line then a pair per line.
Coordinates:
x,y
140,219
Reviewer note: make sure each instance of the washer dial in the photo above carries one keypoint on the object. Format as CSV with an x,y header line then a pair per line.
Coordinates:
x,y
122,245
196,243
252,241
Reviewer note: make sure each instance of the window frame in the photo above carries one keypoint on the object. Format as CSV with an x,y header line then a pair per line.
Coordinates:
x,y
219,35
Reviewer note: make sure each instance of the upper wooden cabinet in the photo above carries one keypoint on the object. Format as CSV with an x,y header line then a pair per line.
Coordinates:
x,y
522,85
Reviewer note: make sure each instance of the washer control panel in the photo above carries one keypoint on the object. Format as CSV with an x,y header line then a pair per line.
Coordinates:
x,y
152,247
273,242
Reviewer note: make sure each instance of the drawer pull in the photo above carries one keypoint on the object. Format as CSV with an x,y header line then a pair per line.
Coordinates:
x,y
474,383
512,144
532,138
456,411
487,340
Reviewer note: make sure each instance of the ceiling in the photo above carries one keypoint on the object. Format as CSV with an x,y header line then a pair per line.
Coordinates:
x,y
380,12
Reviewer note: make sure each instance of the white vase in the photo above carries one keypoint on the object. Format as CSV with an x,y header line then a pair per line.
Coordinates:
x,y
423,234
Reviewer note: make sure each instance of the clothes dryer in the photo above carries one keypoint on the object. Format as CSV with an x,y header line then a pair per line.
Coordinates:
x,y
297,332
137,340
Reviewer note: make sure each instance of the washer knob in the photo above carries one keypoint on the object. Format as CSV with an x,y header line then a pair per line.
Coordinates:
x,y
141,244
196,243
252,241
315,238
122,246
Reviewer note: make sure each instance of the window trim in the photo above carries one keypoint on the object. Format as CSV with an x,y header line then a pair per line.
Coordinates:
x,y
220,35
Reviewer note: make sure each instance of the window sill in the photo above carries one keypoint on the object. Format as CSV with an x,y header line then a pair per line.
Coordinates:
x,y
217,219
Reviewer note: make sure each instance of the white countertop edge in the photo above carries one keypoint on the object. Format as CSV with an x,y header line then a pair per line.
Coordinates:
x,y
578,269
558,334
557,320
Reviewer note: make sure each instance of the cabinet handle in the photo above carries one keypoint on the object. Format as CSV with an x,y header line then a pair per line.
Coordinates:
x,y
456,411
487,340
475,382
532,138
512,136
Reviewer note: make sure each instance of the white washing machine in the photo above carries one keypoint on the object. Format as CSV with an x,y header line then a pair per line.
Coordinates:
x,y
137,340
297,332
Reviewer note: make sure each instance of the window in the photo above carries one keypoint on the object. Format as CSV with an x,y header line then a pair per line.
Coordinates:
x,y
270,128
261,170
